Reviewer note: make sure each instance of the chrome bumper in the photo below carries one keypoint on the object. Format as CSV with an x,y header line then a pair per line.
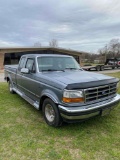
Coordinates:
x,y
87,111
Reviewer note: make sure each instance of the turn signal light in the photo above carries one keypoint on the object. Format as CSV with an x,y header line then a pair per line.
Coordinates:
x,y
73,100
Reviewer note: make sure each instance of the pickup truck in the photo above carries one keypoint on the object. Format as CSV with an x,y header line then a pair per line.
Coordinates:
x,y
58,86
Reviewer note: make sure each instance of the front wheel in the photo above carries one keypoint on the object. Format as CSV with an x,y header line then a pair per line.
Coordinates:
x,y
51,113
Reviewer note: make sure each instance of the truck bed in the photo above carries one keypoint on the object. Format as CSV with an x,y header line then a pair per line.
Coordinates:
x,y
11,68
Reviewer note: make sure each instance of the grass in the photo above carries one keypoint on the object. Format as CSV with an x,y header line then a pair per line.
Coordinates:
x,y
92,64
25,136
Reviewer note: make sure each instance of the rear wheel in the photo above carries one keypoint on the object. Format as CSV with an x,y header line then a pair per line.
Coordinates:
x,y
102,68
51,113
98,68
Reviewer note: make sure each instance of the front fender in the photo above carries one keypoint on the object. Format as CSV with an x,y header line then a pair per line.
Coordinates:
x,y
51,95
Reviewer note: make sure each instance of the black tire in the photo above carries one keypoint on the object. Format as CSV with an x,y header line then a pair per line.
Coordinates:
x,y
51,113
98,68
113,67
102,68
11,87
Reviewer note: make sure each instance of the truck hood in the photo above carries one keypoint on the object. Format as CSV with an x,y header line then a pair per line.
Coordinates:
x,y
68,77
80,78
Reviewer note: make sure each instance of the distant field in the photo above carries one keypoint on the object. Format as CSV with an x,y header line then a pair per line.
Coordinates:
x,y
25,136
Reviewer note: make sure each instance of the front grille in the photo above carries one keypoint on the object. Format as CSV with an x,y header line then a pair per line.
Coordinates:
x,y
99,92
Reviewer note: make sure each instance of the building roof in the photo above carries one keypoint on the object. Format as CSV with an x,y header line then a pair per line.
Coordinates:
x,y
20,49
47,55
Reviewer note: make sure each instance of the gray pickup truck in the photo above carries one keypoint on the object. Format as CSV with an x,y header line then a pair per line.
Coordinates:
x,y
58,86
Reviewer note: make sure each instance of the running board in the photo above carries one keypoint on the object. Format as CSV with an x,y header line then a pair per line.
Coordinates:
x,y
29,100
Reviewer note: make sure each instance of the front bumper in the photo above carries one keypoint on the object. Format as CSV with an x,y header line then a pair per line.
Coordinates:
x,y
87,111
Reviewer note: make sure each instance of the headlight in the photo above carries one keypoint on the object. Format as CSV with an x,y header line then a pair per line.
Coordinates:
x,y
72,96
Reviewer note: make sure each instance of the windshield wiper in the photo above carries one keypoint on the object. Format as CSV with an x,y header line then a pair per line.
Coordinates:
x,y
74,68
71,68
45,70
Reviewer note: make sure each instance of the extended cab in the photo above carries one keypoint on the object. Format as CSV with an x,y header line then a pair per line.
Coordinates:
x,y
61,88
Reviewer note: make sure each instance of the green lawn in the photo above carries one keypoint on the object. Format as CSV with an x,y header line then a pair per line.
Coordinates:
x,y
25,136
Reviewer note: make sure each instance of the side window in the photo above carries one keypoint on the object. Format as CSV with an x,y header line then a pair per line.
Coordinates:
x,y
30,64
22,63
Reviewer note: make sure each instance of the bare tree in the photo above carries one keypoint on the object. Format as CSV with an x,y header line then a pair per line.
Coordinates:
x,y
114,47
37,44
112,50
53,43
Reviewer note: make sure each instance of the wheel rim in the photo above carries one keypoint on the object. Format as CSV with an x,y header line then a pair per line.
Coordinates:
x,y
49,113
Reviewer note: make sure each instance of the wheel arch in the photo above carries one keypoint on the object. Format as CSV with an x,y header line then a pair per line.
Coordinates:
x,y
8,78
52,96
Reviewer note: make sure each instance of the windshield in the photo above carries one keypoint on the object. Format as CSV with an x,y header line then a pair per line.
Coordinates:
x,y
57,63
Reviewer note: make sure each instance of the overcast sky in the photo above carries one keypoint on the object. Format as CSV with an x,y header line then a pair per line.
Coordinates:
x,y
85,25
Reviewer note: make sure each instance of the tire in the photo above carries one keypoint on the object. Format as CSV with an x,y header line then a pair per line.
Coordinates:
x,y
11,88
98,68
102,68
51,113
118,66
113,67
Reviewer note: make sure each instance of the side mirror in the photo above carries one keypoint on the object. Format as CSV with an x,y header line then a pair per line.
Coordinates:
x,y
25,70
